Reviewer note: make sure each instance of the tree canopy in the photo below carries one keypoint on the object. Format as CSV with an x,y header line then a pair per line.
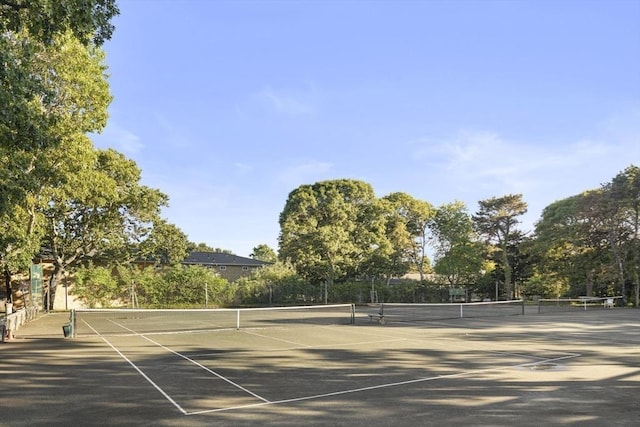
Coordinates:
x,y
264,253
328,228
496,220
459,255
88,20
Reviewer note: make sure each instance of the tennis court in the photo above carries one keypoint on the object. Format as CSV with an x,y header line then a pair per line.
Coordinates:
x,y
575,368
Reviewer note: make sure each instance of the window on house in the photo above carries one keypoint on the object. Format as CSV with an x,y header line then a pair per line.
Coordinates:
x,y
223,267
245,268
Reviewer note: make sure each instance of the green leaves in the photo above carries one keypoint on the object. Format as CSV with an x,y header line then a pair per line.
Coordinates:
x,y
95,286
326,228
264,253
496,220
337,229
88,20
591,239
460,256
407,222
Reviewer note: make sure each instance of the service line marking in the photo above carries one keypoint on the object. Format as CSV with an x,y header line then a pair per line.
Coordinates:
x,y
381,386
145,376
264,401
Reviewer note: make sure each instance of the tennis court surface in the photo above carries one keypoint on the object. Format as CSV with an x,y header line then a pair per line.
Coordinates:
x,y
579,368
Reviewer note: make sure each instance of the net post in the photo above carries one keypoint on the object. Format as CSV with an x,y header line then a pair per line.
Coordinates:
x,y
522,306
353,314
461,311
72,322
238,319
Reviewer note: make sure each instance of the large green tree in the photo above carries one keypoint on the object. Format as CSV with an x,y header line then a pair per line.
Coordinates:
x,y
390,256
407,228
164,244
624,193
459,255
37,141
496,220
571,243
97,207
329,228
264,253
52,88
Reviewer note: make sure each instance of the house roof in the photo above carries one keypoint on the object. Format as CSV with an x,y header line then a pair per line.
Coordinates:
x,y
220,258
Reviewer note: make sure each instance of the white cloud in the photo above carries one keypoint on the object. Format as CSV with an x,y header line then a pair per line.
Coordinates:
x,y
475,159
475,165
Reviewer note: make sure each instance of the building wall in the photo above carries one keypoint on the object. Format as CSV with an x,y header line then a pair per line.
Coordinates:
x,y
233,272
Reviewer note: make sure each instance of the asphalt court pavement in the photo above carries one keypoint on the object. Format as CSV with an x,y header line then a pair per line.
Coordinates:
x,y
580,368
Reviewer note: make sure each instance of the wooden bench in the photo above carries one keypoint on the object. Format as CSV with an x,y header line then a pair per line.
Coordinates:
x,y
378,317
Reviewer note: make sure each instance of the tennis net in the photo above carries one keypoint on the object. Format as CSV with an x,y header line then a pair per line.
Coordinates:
x,y
415,312
125,321
550,305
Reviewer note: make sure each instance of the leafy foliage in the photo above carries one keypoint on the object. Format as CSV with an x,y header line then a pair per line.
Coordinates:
x,y
88,20
460,256
328,229
276,284
264,253
165,244
496,220
96,286
407,227
51,95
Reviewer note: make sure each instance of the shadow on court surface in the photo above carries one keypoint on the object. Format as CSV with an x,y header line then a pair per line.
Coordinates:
x,y
577,369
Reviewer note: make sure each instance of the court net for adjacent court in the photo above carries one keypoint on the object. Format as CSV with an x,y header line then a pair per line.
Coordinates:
x,y
415,312
551,305
126,321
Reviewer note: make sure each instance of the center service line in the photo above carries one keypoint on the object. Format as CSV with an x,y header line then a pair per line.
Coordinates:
x,y
156,386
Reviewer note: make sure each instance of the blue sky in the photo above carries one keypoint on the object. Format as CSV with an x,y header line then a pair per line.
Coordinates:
x,y
228,106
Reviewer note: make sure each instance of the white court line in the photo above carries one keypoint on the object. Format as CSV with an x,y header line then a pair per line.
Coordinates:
x,y
381,386
309,347
207,369
156,386
382,339
185,358
466,345
215,327
276,339
298,345
389,339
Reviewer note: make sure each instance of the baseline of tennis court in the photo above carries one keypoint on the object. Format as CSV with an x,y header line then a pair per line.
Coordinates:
x,y
570,369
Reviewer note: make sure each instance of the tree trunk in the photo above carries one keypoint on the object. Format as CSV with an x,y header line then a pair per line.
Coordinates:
x,y
636,283
620,267
589,284
56,277
507,273
7,284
